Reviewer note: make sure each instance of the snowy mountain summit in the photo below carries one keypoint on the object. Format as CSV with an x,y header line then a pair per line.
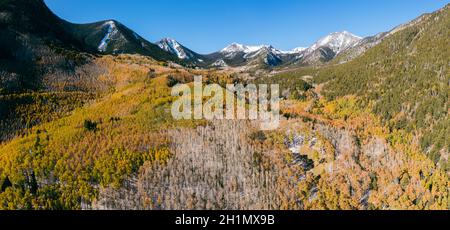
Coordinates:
x,y
172,46
295,50
243,54
236,49
337,42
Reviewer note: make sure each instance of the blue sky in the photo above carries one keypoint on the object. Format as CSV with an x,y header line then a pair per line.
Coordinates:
x,y
206,26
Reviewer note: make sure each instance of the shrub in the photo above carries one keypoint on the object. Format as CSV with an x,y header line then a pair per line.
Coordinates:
x,y
90,125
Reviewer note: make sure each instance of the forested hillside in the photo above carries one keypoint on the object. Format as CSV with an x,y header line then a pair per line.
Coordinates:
x,y
61,163
92,129
405,80
124,151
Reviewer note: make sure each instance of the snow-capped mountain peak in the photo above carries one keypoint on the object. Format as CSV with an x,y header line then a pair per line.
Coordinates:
x,y
172,46
236,47
338,41
298,50
294,51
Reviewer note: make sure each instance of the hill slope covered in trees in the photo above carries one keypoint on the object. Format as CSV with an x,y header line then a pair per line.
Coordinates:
x,y
405,80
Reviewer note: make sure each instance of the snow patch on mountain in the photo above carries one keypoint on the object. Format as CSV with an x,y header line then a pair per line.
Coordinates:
x,y
111,32
272,59
219,63
136,35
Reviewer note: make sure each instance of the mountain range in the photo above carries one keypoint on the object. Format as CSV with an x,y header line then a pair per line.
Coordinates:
x,y
238,55
31,22
31,34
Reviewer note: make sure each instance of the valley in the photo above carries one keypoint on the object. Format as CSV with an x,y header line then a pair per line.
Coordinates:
x,y
85,120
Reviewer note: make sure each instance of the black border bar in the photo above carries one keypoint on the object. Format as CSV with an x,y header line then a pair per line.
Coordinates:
x,y
347,219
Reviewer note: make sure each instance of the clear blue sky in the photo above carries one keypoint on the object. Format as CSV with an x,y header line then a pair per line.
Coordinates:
x,y
209,25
